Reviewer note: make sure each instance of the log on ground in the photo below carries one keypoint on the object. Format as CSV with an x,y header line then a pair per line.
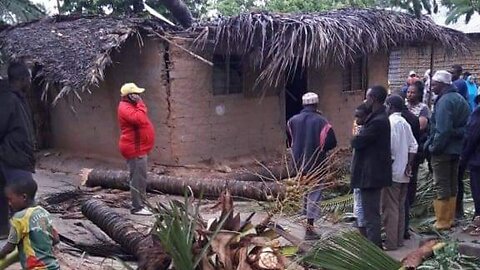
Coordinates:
x,y
149,253
177,185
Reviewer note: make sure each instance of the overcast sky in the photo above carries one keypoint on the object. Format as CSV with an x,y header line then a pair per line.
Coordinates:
x,y
472,26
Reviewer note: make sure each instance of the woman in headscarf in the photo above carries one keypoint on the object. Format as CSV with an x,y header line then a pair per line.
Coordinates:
x,y
472,91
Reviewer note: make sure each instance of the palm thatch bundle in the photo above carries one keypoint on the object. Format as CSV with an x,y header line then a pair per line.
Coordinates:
x,y
280,42
72,51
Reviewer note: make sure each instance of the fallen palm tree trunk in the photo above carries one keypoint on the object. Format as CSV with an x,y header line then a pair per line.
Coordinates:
x,y
177,185
150,255
274,173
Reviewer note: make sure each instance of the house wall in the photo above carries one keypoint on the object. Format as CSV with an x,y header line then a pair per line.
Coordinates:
x,y
402,60
93,128
337,105
208,128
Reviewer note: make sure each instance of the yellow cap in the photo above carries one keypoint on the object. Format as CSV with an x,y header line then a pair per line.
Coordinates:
x,y
131,88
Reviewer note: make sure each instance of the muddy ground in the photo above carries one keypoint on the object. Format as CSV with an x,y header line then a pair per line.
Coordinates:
x,y
60,173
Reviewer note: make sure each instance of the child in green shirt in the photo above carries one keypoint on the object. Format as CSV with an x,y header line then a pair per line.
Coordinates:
x,y
31,227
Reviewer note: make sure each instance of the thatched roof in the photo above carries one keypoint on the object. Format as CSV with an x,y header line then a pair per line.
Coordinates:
x,y
71,51
281,41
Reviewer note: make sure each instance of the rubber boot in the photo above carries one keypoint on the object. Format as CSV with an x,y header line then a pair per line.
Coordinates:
x,y
442,214
452,210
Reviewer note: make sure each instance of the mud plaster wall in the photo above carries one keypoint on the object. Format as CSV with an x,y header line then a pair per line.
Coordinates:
x,y
93,129
402,60
339,106
211,128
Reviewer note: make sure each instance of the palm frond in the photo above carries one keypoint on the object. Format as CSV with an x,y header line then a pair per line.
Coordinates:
x,y
349,251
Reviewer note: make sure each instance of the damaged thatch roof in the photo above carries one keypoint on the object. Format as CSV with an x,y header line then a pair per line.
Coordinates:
x,y
71,51
281,41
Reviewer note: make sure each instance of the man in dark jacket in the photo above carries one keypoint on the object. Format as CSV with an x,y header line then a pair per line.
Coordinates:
x,y
312,137
471,155
445,144
461,85
16,133
372,161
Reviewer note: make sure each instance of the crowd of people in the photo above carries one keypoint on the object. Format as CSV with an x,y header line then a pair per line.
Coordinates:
x,y
434,120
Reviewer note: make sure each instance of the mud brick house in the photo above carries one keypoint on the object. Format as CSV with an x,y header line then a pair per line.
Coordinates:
x,y
418,58
218,91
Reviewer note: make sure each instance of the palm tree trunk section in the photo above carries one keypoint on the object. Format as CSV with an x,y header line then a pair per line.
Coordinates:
x,y
148,252
261,191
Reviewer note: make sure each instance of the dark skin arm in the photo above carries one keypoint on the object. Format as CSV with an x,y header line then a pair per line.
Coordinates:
x,y
408,170
56,237
7,249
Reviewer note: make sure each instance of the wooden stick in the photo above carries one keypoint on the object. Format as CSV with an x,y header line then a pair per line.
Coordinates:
x,y
185,50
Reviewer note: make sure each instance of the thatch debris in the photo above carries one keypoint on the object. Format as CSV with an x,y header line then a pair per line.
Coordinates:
x,y
279,42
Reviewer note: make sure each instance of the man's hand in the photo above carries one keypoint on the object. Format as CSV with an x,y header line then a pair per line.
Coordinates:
x,y
134,98
408,170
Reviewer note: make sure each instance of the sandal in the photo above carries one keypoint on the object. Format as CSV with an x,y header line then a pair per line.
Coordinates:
x,y
469,228
476,221
476,232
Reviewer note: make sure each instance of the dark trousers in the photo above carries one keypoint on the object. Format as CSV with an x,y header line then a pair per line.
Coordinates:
x,y
138,181
412,188
4,210
475,186
461,190
371,210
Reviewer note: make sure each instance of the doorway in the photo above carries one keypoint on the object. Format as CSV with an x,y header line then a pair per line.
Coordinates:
x,y
295,87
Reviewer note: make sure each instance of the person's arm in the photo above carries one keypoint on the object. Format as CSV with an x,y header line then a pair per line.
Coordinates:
x,y
330,141
472,138
443,126
7,249
55,237
135,113
412,150
6,113
12,242
368,134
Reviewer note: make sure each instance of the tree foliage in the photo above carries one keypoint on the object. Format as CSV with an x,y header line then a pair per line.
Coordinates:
x,y
458,8
15,11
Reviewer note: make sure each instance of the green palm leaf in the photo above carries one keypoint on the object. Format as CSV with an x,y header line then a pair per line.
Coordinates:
x,y
349,251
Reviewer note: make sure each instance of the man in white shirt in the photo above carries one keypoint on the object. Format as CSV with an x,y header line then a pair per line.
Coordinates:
x,y
403,148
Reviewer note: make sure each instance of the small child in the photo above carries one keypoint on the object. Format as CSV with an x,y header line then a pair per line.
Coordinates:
x,y
31,227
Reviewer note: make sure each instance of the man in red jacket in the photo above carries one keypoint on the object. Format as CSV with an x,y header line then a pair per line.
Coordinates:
x,y
136,141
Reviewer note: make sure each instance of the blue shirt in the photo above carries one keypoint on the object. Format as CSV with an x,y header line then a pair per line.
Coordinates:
x,y
462,89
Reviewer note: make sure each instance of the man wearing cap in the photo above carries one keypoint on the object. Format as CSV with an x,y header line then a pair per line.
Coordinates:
x,y
312,137
372,162
137,138
445,143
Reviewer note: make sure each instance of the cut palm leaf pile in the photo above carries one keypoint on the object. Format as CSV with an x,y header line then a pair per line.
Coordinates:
x,y
349,251
447,257
326,176
222,243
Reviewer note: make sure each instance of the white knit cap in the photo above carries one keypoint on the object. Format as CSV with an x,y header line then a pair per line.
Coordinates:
x,y
309,98
442,76
412,72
